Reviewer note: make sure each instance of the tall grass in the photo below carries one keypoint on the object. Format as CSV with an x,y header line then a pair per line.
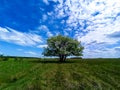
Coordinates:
x,y
49,74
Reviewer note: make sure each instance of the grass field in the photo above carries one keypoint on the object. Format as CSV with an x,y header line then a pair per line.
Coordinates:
x,y
40,74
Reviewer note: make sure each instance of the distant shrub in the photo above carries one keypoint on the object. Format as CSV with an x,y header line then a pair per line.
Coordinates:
x,y
18,59
15,59
3,58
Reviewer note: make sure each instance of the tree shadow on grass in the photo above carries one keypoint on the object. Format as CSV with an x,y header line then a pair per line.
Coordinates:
x,y
52,61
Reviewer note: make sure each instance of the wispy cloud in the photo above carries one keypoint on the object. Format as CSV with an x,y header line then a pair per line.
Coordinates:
x,y
20,38
42,46
30,53
115,35
20,49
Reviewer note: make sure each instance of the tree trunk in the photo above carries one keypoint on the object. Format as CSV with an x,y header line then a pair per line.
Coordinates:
x,y
62,58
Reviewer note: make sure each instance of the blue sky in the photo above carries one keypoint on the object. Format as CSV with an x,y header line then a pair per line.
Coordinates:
x,y
25,25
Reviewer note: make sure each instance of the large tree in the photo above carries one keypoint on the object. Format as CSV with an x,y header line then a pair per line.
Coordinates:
x,y
63,46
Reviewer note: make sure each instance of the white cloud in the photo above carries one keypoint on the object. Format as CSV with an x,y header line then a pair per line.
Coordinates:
x,y
93,21
44,17
46,2
49,34
20,38
42,46
3,30
110,53
20,49
45,29
30,53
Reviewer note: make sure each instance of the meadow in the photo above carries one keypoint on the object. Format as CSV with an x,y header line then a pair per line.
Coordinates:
x,y
48,74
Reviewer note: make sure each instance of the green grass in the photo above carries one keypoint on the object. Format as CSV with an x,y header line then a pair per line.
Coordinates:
x,y
49,74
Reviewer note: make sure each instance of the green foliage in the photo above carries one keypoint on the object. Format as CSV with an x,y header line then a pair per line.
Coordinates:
x,y
62,47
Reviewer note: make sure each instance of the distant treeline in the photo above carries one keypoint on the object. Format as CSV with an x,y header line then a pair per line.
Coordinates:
x,y
5,58
18,57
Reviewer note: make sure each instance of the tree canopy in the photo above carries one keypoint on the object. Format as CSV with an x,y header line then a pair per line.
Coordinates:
x,y
63,46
